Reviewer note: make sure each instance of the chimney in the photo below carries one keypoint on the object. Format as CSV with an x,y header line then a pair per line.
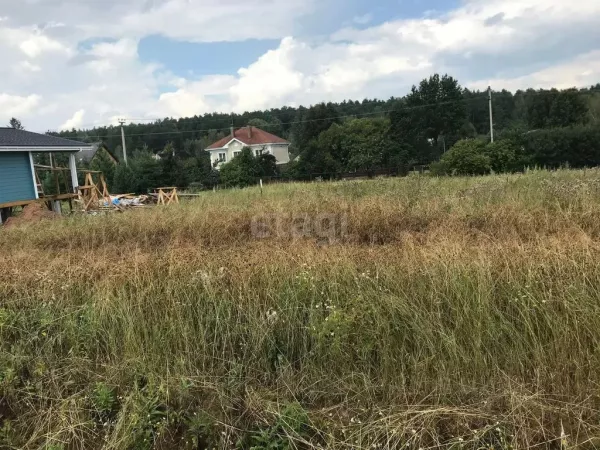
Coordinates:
x,y
232,133
249,131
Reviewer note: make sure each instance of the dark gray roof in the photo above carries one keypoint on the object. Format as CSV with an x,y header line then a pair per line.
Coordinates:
x,y
86,155
10,137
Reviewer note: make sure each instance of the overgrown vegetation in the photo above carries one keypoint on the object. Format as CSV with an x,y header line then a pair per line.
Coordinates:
x,y
544,128
446,312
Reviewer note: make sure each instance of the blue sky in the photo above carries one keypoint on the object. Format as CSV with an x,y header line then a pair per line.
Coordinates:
x,y
79,63
226,57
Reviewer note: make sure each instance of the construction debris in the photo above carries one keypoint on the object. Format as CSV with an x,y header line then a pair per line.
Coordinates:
x,y
130,200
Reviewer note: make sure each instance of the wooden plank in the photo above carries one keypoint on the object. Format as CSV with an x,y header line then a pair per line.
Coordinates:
x,y
42,199
17,203
59,197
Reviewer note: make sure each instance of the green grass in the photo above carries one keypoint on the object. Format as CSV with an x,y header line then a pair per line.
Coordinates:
x,y
453,313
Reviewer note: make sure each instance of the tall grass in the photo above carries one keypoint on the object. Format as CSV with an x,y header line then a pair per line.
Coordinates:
x,y
460,312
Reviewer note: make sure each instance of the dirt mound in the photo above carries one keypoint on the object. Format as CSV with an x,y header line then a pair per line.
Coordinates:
x,y
34,212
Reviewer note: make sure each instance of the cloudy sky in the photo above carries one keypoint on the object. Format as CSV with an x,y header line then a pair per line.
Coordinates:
x,y
79,63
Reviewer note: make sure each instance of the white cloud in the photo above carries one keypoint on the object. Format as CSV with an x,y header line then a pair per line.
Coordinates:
x,y
74,122
26,66
50,79
196,97
36,44
584,70
15,105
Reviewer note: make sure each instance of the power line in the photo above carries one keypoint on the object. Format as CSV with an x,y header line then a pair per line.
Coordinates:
x,y
482,95
347,116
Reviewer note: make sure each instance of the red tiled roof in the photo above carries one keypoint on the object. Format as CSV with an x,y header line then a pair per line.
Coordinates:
x,y
242,134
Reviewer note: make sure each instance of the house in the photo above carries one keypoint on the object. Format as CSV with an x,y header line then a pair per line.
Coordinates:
x,y
95,151
18,186
259,141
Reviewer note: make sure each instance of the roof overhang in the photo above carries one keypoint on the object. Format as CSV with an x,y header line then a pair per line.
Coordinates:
x,y
45,149
221,148
247,145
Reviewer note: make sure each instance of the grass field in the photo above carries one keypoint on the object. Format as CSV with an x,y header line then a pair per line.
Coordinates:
x,y
418,312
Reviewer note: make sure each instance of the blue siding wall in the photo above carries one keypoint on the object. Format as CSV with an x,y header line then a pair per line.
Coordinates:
x,y
15,177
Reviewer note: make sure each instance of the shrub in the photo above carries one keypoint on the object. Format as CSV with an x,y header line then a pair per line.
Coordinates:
x,y
467,157
575,146
503,155
241,171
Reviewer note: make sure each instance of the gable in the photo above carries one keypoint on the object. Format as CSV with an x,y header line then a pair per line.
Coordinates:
x,y
103,152
249,136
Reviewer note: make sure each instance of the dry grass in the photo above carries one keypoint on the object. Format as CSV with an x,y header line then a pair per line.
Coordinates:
x,y
461,313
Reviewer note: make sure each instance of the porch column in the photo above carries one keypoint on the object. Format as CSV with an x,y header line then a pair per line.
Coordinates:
x,y
73,170
35,185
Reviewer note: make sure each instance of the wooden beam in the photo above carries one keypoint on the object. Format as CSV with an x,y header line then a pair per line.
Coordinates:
x,y
17,203
43,199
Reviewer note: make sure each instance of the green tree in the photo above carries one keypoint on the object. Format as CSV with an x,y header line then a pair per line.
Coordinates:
x,y
267,165
568,108
104,164
147,172
312,122
16,124
241,171
259,123
124,180
172,171
437,104
359,143
466,157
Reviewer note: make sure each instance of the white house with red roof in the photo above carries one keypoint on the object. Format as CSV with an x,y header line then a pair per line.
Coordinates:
x,y
259,141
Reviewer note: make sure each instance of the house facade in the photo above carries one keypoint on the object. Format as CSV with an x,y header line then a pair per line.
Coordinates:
x,y
259,141
18,184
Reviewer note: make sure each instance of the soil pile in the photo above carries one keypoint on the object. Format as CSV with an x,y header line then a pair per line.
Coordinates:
x,y
34,212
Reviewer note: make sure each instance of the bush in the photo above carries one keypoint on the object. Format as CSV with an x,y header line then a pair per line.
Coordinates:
x,y
467,157
574,146
503,155
241,171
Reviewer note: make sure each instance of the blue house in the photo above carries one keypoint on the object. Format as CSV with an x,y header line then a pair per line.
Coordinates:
x,y
18,185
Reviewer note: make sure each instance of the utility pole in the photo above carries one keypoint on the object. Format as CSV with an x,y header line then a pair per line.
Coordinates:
x,y
491,114
122,122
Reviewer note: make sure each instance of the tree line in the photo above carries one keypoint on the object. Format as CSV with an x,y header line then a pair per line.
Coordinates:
x,y
542,127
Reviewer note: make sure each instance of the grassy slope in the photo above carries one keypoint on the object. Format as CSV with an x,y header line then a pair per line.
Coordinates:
x,y
462,312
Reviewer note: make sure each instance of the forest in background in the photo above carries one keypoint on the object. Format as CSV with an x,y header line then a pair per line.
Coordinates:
x,y
331,138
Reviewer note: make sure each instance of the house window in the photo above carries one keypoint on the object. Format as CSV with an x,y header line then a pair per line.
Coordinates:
x,y
258,152
236,154
222,157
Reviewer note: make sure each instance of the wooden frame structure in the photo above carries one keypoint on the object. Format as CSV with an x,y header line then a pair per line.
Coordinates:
x,y
94,193
166,195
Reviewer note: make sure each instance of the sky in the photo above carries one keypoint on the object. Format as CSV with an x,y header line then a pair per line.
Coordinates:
x,y
85,63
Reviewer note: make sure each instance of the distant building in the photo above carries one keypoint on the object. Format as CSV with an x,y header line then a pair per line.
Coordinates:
x,y
259,141
99,148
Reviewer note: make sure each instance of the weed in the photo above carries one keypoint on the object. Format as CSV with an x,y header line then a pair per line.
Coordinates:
x,y
290,426
449,305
